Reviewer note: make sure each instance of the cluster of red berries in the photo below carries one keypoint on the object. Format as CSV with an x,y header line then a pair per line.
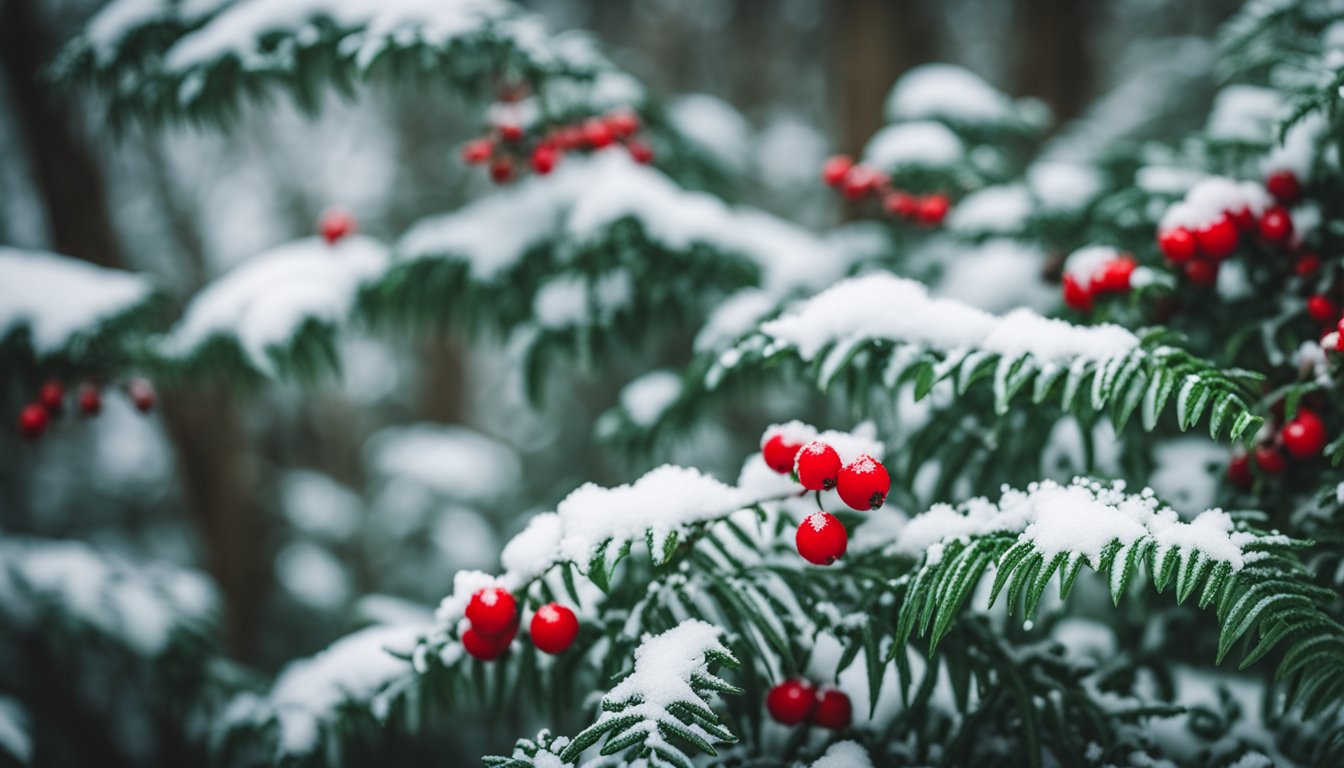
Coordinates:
x,y
336,223
1111,276
1302,438
50,403
1199,250
857,181
862,484
506,148
493,615
795,701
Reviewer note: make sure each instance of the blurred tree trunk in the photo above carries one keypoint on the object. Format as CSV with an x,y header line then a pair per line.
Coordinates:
x,y
205,429
1053,55
875,42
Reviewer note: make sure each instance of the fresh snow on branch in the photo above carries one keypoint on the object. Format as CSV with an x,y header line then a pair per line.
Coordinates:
x,y
844,754
917,144
61,300
949,92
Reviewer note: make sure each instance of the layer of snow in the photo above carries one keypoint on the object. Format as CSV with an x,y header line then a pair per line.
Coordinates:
x,y
1298,148
309,692
1246,113
733,317
923,144
59,298
1213,197
883,306
946,91
844,754
1082,518
714,125
997,276
998,209
266,300
1083,263
1060,186
457,462
645,398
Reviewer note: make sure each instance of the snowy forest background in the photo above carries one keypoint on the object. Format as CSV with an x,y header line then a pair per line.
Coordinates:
x,y
289,515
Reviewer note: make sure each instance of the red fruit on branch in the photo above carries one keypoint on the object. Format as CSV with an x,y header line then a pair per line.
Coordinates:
x,y
863,484
477,151
791,702
1276,225
1077,295
1304,436
1239,472
1177,244
818,466
835,169
900,203
1114,275
484,646
858,183
623,123
1270,459
52,397
543,159
492,610
33,420
90,400
1307,264
511,132
1218,239
1284,186
553,628
1201,271
834,710
780,454
640,151
597,134
1245,219
501,170
1322,310
142,395
821,538
336,224
933,209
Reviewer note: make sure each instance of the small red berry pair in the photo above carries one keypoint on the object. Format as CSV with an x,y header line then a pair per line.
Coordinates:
x,y
1302,438
493,615
795,701
335,224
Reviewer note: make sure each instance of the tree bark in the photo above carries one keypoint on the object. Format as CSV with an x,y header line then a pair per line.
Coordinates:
x,y
1054,62
876,41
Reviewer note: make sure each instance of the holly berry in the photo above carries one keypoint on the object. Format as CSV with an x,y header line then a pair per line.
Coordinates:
x,y
933,209
817,465
33,420
90,400
492,610
1114,275
640,151
1244,218
791,702
1270,459
858,183
477,151
142,395
899,203
1284,186
553,628
863,483
1076,294
1218,239
543,159
1276,225
835,170
511,132
780,454
1201,271
1322,310
1307,264
821,538
834,710
597,134
623,123
52,397
336,224
484,646
1304,436
1177,244
501,170
1239,472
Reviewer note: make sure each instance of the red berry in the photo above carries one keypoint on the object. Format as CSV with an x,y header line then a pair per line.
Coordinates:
x,y
821,538
1304,436
492,610
90,400
780,454
1307,264
1177,244
597,134
1322,310
1276,225
932,209
791,702
863,484
336,224
33,420
478,151
899,203
511,133
1239,472
640,151
858,183
1244,218
568,137
486,647
52,397
142,395
543,159
1284,186
1270,459
836,169
1077,295
553,628
817,466
1218,239
623,123
1114,275
501,170
1201,271
833,709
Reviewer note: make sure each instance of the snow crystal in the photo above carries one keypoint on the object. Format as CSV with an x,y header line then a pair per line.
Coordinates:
x,y
1060,186
266,300
713,124
844,754
1245,113
455,461
309,692
645,398
59,298
925,144
883,306
946,91
998,209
